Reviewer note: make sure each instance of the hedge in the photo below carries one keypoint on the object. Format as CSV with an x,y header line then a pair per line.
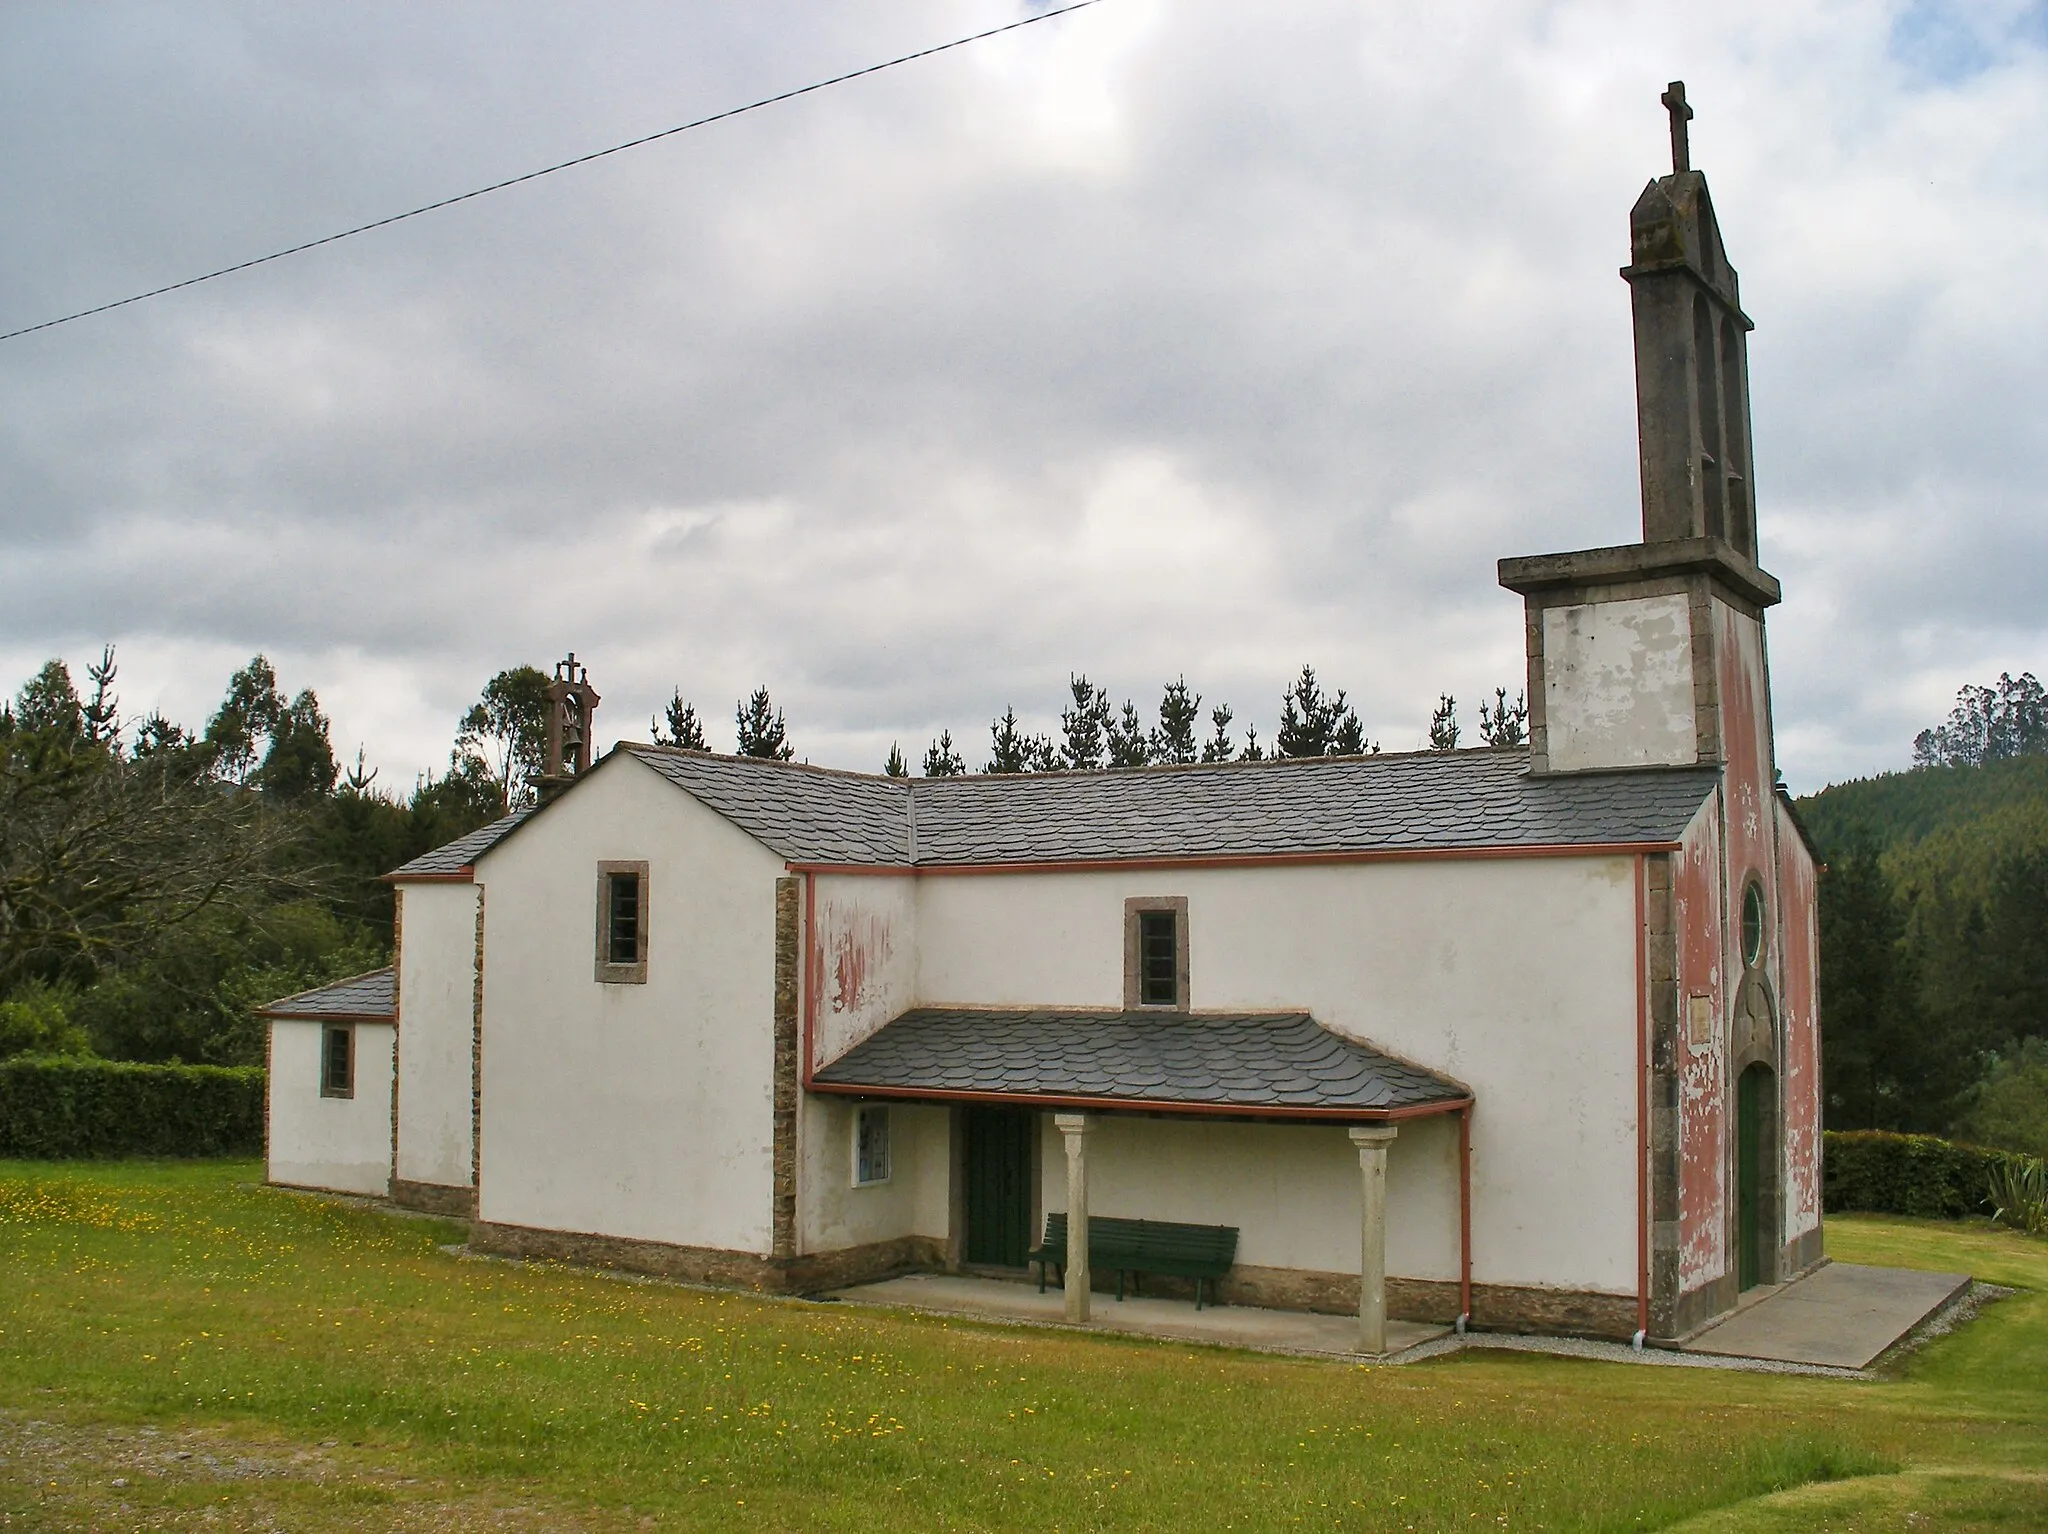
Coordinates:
x,y
60,1107
1867,1169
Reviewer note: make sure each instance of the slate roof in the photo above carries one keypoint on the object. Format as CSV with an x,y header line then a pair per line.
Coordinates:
x,y
452,860
1433,800
1255,1062
371,998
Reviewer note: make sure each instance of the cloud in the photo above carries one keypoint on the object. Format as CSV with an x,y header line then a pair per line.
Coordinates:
x,y
1152,340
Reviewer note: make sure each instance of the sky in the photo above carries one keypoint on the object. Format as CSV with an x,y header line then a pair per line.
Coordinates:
x,y
1154,340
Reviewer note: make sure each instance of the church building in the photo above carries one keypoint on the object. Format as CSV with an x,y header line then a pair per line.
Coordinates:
x,y
1523,1039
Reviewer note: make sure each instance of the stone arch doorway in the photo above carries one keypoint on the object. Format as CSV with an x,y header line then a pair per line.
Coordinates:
x,y
1756,1181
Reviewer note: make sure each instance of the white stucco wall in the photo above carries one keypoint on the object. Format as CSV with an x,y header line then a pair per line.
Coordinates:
x,y
1618,684
343,1143
1292,1190
436,1004
866,945
630,1110
832,1213
1516,977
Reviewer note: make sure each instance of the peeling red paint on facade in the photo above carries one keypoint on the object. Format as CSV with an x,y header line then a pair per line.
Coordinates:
x,y
1799,997
858,938
1703,1071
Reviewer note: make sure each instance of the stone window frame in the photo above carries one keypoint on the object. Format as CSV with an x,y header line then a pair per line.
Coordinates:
x,y
1134,906
346,1086
863,1115
607,972
1753,885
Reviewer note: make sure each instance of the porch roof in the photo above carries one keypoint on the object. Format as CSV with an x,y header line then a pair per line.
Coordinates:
x,y
1263,1064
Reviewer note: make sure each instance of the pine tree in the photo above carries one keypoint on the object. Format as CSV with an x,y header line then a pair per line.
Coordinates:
x,y
1174,740
1217,748
941,760
1506,726
1443,724
1129,746
895,767
1313,723
101,716
1251,751
1085,727
1009,747
685,730
761,730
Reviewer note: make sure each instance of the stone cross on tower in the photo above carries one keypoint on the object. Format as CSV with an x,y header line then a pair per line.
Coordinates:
x,y
1681,114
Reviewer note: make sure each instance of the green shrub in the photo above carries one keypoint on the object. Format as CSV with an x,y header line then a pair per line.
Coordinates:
x,y
36,1020
54,1107
1880,1173
2019,1194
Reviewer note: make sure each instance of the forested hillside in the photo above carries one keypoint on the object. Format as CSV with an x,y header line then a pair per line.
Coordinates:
x,y
1934,929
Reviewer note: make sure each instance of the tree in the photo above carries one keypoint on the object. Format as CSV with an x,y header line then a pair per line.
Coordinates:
x,y
1012,750
1506,726
685,731
1443,724
246,718
1885,1063
101,718
504,735
1174,740
941,760
1313,723
1129,745
101,855
299,764
761,730
1252,751
1085,727
1989,724
1217,748
895,767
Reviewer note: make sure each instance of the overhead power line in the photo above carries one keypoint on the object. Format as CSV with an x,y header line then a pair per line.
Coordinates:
x,y
549,170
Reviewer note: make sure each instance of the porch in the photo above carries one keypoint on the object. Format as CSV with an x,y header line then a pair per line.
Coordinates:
x,y
1173,1320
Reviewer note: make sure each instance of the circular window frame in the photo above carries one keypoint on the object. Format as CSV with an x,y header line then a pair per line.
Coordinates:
x,y
1753,901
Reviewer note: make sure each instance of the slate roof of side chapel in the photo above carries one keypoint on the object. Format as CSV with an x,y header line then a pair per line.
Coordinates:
x,y
367,998
452,860
1424,801
1284,1063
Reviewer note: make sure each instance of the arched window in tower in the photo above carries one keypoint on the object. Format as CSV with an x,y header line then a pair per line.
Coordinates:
x,y
1707,400
1741,506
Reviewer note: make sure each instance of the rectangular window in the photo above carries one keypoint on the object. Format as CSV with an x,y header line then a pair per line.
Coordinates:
x,y
1156,952
870,1146
624,946
622,923
338,1060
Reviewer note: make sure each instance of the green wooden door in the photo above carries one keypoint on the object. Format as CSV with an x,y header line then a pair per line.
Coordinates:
x,y
999,1185
1750,1094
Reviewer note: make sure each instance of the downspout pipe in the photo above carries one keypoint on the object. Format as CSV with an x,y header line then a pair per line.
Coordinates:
x,y
1642,1104
1464,1320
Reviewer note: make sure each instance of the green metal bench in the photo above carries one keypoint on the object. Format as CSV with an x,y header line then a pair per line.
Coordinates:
x,y
1131,1247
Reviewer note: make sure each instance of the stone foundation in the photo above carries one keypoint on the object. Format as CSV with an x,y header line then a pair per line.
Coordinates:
x,y
803,1274
1495,1307
434,1198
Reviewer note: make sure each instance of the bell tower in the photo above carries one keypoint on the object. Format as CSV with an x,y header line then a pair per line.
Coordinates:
x,y
572,701
1692,365
1651,654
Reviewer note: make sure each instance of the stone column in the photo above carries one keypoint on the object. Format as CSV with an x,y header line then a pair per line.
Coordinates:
x,y
1372,1141
1074,1129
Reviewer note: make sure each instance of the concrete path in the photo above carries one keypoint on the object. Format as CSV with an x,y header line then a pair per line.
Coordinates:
x,y
1231,1326
1843,1315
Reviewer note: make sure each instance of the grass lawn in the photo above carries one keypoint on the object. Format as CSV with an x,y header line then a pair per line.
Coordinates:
x,y
182,1348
